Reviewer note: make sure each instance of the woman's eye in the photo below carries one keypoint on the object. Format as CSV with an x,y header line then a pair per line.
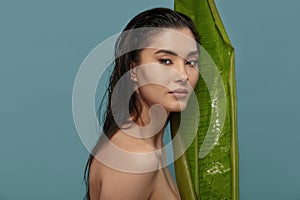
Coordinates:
x,y
193,63
165,61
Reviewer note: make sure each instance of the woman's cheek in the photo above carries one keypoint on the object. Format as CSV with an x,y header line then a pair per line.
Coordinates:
x,y
193,79
155,73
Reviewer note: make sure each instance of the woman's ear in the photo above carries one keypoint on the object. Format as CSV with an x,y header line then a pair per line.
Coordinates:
x,y
133,76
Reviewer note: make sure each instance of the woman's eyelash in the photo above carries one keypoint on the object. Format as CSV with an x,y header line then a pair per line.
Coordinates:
x,y
165,61
192,62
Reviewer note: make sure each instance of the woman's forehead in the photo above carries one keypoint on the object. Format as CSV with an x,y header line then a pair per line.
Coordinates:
x,y
179,41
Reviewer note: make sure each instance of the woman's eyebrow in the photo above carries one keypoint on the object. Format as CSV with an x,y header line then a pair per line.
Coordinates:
x,y
175,54
193,53
166,51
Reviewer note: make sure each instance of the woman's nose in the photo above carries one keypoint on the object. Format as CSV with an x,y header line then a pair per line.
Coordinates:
x,y
182,75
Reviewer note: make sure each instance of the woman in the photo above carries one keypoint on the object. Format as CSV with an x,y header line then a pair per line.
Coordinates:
x,y
155,70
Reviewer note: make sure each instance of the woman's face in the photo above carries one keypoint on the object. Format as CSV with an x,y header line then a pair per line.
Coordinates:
x,y
167,71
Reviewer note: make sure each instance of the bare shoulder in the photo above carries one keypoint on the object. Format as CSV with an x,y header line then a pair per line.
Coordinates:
x,y
108,183
126,153
123,169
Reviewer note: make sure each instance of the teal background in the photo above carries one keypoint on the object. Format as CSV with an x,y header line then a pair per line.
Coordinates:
x,y
43,43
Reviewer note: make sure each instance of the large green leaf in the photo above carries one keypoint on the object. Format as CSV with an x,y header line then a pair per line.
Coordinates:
x,y
209,168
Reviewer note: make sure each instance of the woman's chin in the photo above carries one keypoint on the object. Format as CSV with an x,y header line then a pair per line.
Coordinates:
x,y
179,107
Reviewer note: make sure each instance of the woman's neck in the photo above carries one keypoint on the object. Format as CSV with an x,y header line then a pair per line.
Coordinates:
x,y
151,124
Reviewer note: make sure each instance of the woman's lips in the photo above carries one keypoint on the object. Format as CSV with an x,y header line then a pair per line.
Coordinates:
x,y
179,93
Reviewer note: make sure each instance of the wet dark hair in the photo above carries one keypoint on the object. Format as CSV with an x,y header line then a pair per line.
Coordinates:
x,y
153,18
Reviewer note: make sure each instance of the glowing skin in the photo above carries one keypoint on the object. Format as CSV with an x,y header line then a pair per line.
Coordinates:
x,y
166,75
171,64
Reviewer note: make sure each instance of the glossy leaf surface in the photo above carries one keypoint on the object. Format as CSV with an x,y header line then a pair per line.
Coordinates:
x,y
209,168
